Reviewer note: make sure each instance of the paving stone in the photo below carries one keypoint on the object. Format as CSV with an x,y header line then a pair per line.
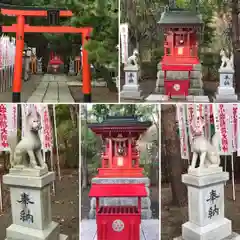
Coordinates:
x,y
52,89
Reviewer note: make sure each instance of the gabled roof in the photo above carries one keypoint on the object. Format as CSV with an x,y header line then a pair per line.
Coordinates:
x,y
179,16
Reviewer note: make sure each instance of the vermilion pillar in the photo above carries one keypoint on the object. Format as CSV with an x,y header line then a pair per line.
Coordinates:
x,y
110,156
129,152
17,77
86,75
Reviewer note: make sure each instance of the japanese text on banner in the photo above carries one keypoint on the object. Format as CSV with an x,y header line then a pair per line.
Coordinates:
x,y
124,41
181,117
8,124
221,120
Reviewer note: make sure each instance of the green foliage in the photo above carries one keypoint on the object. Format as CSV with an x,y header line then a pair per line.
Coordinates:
x,y
68,136
103,17
100,111
90,144
62,113
207,10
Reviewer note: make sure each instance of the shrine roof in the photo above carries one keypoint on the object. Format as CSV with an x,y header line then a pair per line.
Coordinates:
x,y
120,121
179,16
118,190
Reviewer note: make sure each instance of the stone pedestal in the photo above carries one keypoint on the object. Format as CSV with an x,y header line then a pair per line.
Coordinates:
x,y
198,99
31,205
206,207
226,91
71,70
26,70
157,98
39,67
145,204
195,79
131,88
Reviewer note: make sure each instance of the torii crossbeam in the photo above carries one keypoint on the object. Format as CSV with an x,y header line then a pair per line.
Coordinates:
x,y
20,28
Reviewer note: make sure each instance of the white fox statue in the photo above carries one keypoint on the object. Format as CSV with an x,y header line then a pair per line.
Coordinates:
x,y
208,151
29,145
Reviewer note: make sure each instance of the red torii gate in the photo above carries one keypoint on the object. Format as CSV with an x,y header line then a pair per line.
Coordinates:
x,y
20,28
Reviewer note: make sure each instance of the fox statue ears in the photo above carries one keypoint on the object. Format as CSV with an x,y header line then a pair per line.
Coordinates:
x,y
198,125
32,113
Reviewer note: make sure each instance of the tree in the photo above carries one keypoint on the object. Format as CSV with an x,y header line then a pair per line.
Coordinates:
x,y
171,140
103,17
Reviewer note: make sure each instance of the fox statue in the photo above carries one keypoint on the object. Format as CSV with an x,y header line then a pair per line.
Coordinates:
x,y
207,150
29,145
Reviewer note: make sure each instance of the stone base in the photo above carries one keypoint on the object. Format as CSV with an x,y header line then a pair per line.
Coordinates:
x,y
72,73
217,230
31,172
131,94
226,91
157,98
16,232
61,237
146,212
196,91
149,230
226,98
204,171
200,99
233,236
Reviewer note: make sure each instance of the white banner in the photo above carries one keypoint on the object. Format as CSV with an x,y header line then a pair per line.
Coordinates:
x,y
190,119
46,132
123,28
221,120
199,116
181,118
47,128
235,126
238,128
7,51
207,127
8,124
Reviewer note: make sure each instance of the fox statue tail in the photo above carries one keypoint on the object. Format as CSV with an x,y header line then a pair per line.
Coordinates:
x,y
215,141
215,144
12,143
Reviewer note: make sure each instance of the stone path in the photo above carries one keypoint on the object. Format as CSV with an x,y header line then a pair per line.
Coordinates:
x,y
52,89
149,229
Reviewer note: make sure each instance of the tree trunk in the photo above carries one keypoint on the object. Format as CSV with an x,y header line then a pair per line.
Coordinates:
x,y
106,75
84,155
84,176
171,139
73,108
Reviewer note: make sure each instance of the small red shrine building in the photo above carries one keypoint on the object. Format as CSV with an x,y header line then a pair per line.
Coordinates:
x,y
120,157
181,30
54,63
